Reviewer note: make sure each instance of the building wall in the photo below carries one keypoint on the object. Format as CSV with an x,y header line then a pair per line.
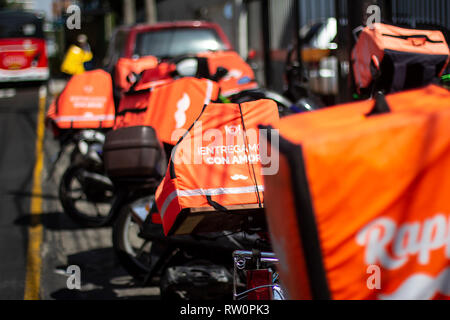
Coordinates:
x,y
418,12
281,33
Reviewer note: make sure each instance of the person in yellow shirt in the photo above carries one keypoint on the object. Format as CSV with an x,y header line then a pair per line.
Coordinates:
x,y
76,57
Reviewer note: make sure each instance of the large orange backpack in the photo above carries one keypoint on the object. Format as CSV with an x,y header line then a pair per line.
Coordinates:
x,y
398,58
169,107
150,77
86,102
216,167
240,75
134,105
359,208
125,66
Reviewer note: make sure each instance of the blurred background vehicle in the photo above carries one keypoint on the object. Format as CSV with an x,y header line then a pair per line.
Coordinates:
x,y
23,53
318,40
133,49
165,40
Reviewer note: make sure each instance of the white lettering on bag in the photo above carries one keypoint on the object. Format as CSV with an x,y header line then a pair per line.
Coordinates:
x,y
233,130
183,105
409,239
237,177
421,286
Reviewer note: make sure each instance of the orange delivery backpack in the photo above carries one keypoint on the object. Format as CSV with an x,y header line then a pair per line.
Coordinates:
x,y
163,71
85,103
359,208
240,75
125,66
214,179
395,59
170,108
134,104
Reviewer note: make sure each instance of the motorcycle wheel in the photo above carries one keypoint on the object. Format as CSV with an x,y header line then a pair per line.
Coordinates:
x,y
133,252
89,206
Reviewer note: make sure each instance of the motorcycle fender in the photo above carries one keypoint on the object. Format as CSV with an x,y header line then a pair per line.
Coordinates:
x,y
141,210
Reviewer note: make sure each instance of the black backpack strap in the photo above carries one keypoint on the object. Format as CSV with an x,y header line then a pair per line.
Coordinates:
x,y
251,165
131,110
171,164
399,79
215,204
381,106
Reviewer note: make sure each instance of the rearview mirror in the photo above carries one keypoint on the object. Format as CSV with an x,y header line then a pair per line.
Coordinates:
x,y
221,72
132,78
187,67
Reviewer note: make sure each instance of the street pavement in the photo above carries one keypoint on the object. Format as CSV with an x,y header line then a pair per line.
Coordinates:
x,y
35,220
17,156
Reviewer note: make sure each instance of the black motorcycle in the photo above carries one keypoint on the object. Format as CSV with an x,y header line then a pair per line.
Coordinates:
x,y
187,267
138,242
85,192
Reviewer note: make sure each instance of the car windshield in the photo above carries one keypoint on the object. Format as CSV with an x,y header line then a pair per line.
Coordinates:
x,y
175,42
20,25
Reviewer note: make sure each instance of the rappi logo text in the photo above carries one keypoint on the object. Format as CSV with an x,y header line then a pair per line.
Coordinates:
x,y
407,240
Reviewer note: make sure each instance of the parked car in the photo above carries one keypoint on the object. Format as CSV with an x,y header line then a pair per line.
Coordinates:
x,y
163,40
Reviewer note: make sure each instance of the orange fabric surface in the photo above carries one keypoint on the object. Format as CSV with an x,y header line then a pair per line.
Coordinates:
x,y
373,41
126,66
217,158
170,107
86,102
240,75
378,186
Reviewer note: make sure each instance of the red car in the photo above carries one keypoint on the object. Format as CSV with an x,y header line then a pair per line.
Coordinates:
x,y
23,55
166,40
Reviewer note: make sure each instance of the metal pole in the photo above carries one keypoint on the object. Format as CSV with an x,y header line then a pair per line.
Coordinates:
x,y
129,12
241,27
358,16
151,11
266,42
342,55
298,38
387,10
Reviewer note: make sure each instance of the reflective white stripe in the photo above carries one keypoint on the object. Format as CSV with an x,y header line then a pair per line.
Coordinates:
x,y
84,119
206,192
167,203
209,89
25,74
218,191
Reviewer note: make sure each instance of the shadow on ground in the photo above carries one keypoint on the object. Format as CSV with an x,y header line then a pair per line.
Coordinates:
x,y
102,279
50,220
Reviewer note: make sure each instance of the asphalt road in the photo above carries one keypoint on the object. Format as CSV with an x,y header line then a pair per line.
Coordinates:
x,y
37,240
18,116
